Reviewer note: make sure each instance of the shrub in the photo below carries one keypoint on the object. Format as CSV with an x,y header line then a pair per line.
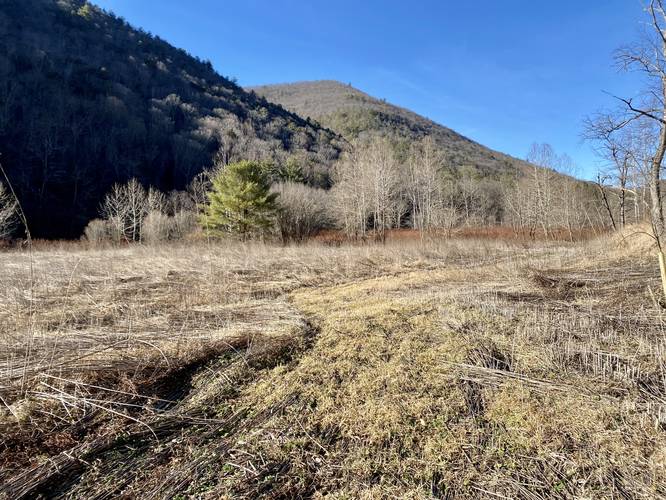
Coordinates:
x,y
302,211
97,231
183,224
156,227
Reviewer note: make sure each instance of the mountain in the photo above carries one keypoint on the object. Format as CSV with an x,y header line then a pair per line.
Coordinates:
x,y
353,113
86,101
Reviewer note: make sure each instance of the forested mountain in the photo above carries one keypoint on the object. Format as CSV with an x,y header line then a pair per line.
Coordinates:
x,y
353,113
86,101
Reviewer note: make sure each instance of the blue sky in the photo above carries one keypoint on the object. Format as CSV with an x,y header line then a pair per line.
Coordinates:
x,y
505,73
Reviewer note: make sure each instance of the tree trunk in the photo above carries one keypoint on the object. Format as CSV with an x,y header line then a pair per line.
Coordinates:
x,y
656,209
662,271
623,197
606,203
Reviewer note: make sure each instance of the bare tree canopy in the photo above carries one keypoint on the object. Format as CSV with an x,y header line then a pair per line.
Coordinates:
x,y
369,188
626,137
649,58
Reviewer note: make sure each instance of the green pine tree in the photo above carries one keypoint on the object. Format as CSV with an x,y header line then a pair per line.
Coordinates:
x,y
240,201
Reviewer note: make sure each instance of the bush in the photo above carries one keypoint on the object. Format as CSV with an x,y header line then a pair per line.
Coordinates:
x,y
156,227
97,231
183,224
302,211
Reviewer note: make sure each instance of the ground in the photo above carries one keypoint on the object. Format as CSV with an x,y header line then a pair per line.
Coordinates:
x,y
417,369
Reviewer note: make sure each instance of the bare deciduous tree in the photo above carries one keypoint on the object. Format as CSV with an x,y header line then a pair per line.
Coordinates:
x,y
385,183
130,213
369,188
518,201
199,187
424,186
530,202
568,208
125,209
603,192
156,201
548,198
615,145
114,212
351,203
649,58
544,161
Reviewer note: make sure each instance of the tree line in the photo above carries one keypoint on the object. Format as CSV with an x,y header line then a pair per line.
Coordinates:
x,y
377,186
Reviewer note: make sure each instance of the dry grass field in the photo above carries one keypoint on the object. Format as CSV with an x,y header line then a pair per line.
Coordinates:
x,y
439,369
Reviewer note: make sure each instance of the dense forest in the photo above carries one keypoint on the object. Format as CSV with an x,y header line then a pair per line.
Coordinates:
x,y
87,101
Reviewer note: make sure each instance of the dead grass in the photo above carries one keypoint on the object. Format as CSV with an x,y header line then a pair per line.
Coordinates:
x,y
443,369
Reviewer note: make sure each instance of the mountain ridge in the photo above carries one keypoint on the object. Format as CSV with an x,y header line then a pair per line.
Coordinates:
x,y
352,112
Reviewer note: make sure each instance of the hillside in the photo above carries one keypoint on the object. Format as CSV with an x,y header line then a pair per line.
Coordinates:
x,y
352,113
86,100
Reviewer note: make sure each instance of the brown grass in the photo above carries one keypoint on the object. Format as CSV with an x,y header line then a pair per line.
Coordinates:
x,y
494,233
419,369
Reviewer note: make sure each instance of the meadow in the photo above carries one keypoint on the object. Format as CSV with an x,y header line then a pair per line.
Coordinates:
x,y
437,368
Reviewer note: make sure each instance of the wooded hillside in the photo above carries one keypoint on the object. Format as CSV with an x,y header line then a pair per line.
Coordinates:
x,y
353,113
86,101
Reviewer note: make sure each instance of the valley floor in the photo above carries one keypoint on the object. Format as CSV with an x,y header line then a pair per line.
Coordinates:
x,y
443,369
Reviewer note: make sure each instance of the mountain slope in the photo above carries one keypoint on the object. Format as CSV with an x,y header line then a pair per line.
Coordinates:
x,y
86,101
352,113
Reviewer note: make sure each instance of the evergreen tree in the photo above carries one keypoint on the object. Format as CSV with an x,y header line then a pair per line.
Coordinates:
x,y
240,201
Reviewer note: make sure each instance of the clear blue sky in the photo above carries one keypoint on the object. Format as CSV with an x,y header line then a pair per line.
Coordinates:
x,y
505,73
